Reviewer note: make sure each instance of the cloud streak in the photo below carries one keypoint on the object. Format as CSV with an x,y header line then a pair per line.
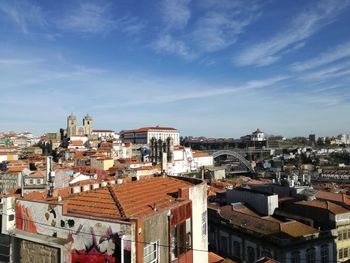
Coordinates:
x,y
340,70
24,14
303,26
213,26
167,44
175,13
339,52
88,17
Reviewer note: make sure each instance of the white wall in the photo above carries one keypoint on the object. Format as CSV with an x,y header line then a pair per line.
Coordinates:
x,y
198,195
163,135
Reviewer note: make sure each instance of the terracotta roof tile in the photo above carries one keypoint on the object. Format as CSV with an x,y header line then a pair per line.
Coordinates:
x,y
145,129
197,154
333,208
128,199
341,198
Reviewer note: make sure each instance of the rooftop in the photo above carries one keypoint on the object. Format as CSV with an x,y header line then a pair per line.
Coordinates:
x,y
335,197
127,200
331,207
267,226
146,129
197,154
102,131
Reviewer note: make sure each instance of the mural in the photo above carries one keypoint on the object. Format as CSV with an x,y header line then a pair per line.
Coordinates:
x,y
24,219
91,240
99,245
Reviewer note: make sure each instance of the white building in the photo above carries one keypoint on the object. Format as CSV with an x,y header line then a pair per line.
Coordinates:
x,y
258,136
104,134
144,135
344,139
201,159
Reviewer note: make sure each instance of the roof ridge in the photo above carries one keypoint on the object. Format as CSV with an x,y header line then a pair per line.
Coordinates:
x,y
116,201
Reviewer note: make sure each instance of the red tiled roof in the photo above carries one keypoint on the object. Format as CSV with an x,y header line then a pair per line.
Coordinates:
x,y
77,143
153,167
341,198
214,258
333,208
197,154
265,225
37,174
128,199
102,131
146,129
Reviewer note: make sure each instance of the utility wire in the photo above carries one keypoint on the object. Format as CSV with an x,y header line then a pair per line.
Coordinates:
x,y
140,242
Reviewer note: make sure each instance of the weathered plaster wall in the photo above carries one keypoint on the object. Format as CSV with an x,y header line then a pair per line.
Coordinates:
x,y
93,239
198,195
155,229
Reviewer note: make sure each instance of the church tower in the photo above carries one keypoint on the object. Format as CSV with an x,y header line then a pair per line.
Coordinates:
x,y
71,125
87,123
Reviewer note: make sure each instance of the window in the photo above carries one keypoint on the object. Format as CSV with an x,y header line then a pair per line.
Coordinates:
x,y
340,236
236,249
181,238
340,253
151,253
38,181
310,255
324,254
31,181
345,234
345,252
296,257
250,254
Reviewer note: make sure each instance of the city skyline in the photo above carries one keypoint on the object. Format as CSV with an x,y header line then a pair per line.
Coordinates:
x,y
217,70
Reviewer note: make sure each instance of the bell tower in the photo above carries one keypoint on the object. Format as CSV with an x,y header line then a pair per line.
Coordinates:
x,y
87,123
71,125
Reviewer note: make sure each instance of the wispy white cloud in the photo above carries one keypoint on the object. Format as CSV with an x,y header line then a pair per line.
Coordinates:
x,y
167,44
176,13
23,13
88,17
130,25
336,71
213,26
218,30
202,91
303,26
339,52
16,62
96,17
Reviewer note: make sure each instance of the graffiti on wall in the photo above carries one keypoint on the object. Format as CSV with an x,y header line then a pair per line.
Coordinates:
x,y
90,240
24,220
99,245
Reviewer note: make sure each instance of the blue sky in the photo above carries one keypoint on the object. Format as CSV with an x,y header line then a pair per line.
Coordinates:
x,y
207,67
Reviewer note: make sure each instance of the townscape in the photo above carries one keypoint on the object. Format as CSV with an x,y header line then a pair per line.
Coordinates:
x,y
151,195
174,131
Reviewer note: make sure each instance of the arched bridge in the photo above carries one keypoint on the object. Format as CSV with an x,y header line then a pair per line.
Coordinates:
x,y
236,155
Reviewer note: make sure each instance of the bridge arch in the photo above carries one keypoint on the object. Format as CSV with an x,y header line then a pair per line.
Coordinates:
x,y
236,155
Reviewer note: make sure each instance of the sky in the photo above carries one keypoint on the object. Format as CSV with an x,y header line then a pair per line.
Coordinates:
x,y
216,68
